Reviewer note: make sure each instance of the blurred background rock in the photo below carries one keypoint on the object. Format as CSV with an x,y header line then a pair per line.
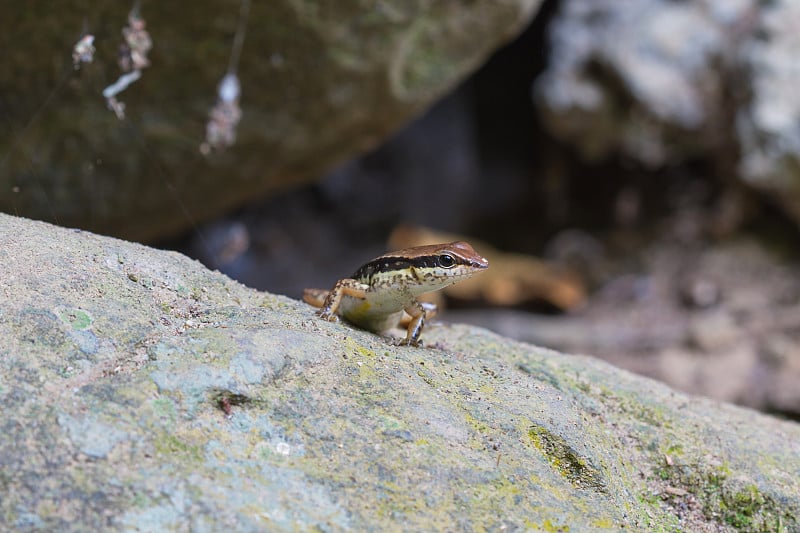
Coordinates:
x,y
321,81
646,150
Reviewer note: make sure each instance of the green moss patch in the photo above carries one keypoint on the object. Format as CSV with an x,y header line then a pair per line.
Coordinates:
x,y
565,459
76,318
723,499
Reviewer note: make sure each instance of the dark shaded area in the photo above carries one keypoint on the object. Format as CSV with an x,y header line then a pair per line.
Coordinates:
x,y
471,164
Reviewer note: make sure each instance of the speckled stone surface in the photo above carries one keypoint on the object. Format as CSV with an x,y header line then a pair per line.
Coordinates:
x,y
141,391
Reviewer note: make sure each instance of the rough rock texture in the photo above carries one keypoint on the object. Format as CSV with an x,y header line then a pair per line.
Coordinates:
x,y
660,81
321,81
118,365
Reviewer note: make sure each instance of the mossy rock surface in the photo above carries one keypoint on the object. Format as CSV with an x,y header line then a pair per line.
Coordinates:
x,y
141,391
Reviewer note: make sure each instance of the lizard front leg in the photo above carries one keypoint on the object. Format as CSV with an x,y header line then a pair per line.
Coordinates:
x,y
418,314
343,287
431,310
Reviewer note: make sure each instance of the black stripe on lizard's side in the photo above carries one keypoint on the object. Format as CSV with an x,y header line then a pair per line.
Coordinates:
x,y
388,264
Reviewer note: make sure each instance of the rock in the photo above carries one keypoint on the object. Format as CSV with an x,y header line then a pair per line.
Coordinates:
x,y
660,81
714,331
318,85
142,391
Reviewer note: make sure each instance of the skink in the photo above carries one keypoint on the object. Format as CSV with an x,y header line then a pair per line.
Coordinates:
x,y
376,296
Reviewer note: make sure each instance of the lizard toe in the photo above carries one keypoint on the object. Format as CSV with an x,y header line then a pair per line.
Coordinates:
x,y
326,315
405,342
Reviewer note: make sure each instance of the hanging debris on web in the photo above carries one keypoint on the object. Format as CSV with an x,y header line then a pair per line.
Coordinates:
x,y
83,51
133,52
132,59
224,117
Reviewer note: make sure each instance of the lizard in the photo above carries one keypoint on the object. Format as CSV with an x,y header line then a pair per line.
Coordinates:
x,y
378,294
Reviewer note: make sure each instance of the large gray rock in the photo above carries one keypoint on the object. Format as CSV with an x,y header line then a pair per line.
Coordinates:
x,y
118,364
661,81
320,83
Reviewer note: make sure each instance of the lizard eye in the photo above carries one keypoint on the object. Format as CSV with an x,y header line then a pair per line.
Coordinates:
x,y
446,261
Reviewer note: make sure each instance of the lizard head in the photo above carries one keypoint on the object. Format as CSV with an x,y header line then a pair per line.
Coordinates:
x,y
424,269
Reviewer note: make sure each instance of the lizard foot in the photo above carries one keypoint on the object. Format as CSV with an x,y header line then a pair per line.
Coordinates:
x,y
405,342
327,315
